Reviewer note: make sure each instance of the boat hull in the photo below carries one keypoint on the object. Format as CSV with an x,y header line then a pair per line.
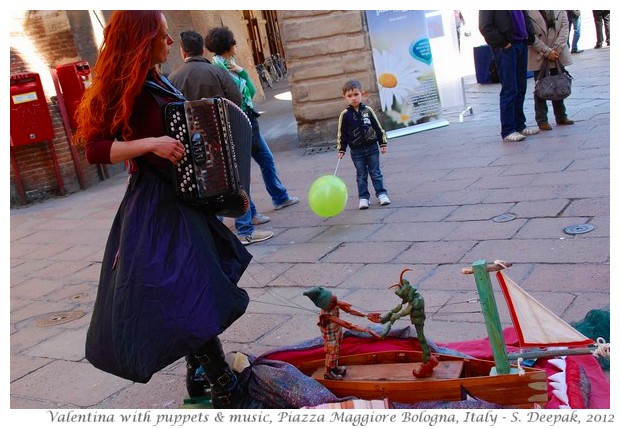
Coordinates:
x,y
389,376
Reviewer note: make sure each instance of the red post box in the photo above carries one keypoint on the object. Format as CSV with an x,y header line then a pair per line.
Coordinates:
x,y
30,118
74,78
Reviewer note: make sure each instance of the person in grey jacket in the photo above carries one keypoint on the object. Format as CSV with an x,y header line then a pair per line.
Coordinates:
x,y
551,43
198,78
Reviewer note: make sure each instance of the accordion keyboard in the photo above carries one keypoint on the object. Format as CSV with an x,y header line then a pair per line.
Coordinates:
x,y
208,174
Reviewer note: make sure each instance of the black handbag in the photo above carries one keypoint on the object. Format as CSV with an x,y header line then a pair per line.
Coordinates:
x,y
553,87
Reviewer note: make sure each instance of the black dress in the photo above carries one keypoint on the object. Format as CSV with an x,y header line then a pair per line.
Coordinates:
x,y
169,274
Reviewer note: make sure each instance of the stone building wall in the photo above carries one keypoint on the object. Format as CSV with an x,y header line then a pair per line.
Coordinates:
x,y
324,49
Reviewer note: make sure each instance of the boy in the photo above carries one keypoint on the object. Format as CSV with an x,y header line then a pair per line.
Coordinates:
x,y
359,129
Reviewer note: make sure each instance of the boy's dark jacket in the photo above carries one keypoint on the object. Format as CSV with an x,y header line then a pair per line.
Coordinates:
x,y
358,129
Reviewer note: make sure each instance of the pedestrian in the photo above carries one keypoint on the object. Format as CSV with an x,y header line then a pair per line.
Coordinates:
x,y
359,129
197,78
574,22
601,20
168,282
551,28
509,33
221,41
460,22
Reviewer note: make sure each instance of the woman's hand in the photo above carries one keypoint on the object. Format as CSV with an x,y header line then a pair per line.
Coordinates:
x,y
553,55
168,148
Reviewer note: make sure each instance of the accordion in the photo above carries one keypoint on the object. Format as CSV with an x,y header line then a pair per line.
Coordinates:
x,y
215,171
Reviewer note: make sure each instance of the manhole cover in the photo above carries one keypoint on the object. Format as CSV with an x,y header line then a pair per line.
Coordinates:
x,y
78,296
53,319
578,229
506,217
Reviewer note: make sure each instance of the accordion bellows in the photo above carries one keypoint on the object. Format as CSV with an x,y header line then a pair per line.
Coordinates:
x,y
215,170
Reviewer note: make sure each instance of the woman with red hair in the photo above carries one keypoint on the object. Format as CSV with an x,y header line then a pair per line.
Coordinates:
x,y
168,283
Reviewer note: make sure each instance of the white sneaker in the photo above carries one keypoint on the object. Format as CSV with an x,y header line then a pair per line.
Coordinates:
x,y
384,200
260,219
514,137
363,203
529,131
255,237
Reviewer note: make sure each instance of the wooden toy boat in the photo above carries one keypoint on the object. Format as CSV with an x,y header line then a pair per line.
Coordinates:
x,y
389,375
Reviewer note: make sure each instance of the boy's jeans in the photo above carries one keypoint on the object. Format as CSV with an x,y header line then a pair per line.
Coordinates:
x,y
366,161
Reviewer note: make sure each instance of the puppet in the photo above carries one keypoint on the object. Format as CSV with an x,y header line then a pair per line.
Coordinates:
x,y
331,326
415,309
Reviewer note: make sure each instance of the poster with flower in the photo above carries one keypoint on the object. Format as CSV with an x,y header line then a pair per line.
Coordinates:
x,y
406,78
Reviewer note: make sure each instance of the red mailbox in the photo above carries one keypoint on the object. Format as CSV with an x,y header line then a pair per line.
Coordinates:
x,y
74,78
30,118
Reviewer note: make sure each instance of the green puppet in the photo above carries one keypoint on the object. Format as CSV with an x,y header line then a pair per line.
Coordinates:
x,y
413,304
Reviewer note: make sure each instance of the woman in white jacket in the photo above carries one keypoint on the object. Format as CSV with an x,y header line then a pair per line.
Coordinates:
x,y
551,28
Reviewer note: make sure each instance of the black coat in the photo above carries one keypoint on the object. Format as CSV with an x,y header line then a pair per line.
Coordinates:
x,y
496,27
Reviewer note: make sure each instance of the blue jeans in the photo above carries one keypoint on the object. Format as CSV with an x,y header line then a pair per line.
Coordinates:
x,y
366,162
512,70
264,158
576,23
243,224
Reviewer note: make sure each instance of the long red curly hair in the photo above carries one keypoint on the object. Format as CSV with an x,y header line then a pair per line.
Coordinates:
x,y
118,75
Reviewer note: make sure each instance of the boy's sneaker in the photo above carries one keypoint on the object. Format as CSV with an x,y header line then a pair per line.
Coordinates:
x,y
255,237
260,219
514,137
289,202
363,203
384,200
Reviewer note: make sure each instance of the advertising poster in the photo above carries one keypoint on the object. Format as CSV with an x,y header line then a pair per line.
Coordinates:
x,y
404,68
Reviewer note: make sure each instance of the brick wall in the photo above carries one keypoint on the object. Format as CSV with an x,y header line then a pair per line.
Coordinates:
x,y
43,39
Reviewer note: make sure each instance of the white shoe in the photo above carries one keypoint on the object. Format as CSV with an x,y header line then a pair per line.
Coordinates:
x,y
384,200
260,219
363,203
291,201
529,131
255,237
514,137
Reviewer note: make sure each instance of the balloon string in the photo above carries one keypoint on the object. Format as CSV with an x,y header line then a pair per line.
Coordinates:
x,y
337,164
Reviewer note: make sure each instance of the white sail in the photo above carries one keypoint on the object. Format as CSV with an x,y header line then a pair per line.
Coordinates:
x,y
535,324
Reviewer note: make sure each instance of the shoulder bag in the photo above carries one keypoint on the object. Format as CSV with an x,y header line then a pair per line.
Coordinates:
x,y
553,87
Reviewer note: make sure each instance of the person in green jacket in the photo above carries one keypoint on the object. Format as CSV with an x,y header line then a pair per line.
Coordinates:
x,y
221,41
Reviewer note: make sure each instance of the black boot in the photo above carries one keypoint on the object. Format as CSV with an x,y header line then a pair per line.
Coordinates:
x,y
195,381
225,389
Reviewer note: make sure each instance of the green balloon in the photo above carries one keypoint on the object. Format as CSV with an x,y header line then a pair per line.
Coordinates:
x,y
328,196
